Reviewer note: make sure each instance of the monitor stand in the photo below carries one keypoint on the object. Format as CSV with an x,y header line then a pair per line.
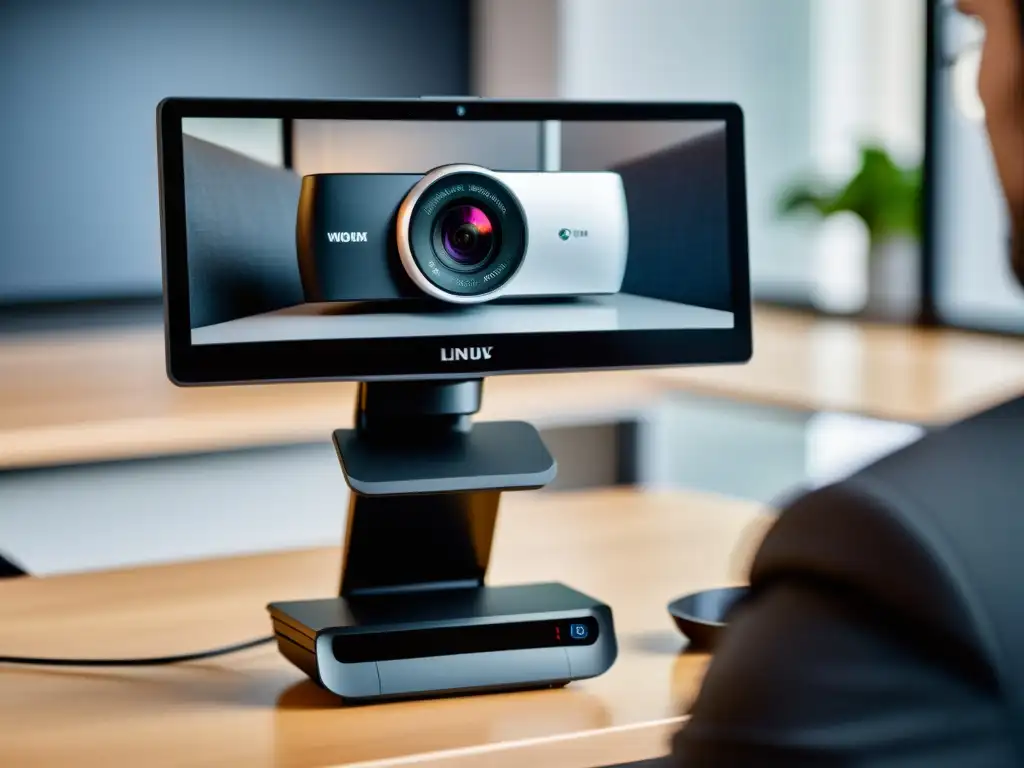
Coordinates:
x,y
426,483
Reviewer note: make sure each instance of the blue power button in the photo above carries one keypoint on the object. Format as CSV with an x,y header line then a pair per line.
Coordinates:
x,y
578,631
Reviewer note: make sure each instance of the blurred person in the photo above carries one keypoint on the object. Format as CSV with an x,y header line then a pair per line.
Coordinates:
x,y
885,621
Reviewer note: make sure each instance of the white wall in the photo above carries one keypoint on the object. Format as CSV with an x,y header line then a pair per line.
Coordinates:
x,y
515,48
260,139
894,54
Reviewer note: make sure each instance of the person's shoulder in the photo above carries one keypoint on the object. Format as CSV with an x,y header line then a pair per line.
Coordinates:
x,y
855,539
930,536
881,625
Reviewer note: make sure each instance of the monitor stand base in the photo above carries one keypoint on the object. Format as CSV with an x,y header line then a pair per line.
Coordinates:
x,y
440,642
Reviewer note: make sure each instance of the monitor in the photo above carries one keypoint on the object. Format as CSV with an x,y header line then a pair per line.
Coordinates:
x,y
448,239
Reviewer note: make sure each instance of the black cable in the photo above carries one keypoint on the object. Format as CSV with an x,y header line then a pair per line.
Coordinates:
x,y
153,661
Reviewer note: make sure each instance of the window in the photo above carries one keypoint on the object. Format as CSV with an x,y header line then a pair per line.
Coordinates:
x,y
974,286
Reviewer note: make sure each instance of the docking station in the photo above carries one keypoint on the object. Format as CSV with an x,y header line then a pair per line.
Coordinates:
x,y
447,641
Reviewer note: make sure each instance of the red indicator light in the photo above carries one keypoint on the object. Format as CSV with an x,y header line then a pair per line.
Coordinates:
x,y
558,634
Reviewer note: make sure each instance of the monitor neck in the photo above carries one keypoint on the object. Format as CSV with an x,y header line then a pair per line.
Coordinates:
x,y
387,410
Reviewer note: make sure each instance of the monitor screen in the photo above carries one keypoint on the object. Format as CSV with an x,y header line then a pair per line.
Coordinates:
x,y
456,232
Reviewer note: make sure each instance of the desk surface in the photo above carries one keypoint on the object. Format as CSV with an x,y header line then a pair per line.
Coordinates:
x,y
924,376
98,395
634,550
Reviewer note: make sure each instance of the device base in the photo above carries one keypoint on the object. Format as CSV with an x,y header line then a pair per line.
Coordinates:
x,y
442,642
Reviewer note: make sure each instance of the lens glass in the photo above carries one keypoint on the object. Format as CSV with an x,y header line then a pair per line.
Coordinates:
x,y
467,235
464,238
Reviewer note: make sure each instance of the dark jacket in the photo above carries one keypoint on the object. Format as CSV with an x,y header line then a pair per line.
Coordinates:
x,y
885,624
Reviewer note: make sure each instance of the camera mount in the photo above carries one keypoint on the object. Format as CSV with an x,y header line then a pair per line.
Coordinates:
x,y
426,483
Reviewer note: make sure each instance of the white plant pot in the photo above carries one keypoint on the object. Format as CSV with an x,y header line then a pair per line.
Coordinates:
x,y
894,280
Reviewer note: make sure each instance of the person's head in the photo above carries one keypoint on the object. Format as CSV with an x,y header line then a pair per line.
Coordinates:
x,y
1001,86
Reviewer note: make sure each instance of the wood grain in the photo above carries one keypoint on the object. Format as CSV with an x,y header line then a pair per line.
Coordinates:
x,y
104,395
634,550
923,376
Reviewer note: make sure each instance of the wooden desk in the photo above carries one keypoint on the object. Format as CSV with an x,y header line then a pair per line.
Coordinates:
x,y
634,550
103,395
928,377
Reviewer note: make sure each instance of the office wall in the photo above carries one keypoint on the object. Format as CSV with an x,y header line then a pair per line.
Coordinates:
x,y
79,82
516,48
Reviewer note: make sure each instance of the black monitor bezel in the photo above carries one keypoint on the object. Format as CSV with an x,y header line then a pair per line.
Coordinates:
x,y
419,357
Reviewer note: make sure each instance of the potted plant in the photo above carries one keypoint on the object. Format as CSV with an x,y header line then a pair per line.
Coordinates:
x,y
887,198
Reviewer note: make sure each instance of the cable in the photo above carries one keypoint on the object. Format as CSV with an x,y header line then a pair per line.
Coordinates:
x,y
153,661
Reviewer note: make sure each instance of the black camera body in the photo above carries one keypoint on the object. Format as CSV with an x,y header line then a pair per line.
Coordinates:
x,y
345,237
461,234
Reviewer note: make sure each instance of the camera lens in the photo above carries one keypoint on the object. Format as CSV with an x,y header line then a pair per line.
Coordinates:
x,y
467,235
461,234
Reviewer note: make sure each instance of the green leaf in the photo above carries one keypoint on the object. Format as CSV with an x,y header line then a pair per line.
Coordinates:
x,y
885,196
804,198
